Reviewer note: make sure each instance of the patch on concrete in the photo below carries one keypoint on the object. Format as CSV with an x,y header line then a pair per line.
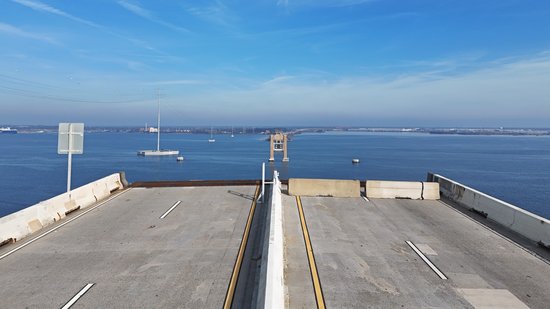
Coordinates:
x,y
384,286
34,225
427,250
492,298
202,291
468,281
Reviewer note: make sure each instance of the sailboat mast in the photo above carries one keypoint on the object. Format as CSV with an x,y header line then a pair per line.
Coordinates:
x,y
158,121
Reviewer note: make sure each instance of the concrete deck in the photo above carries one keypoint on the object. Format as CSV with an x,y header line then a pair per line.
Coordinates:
x,y
138,260
135,259
364,261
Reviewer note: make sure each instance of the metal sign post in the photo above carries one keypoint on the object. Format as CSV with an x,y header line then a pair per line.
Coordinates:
x,y
263,181
70,141
266,182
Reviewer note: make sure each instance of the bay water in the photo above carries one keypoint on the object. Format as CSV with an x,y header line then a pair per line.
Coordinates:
x,y
515,169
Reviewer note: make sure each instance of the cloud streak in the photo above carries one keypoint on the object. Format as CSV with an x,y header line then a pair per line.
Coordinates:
x,y
177,82
322,3
278,79
12,30
42,7
144,13
510,93
217,13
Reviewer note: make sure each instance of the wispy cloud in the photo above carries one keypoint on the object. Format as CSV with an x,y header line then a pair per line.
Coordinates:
x,y
326,27
12,30
42,7
322,3
216,13
510,92
278,79
144,13
177,82
282,3
127,63
45,8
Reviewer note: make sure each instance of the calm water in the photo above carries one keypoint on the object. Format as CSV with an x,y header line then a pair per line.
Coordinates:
x,y
515,169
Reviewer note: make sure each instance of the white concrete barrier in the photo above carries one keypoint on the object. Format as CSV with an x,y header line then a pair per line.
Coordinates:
x,y
324,187
274,293
402,189
31,219
519,220
430,191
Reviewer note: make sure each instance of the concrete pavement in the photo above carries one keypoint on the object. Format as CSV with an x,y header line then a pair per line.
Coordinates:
x,y
134,258
364,261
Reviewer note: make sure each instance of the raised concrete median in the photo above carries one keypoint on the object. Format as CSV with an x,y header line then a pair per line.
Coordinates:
x,y
17,225
402,189
272,293
519,220
324,187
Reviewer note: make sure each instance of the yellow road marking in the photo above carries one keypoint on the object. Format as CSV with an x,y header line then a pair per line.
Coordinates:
x,y
237,268
311,258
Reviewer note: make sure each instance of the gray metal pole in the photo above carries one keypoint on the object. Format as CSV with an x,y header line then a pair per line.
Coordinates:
x,y
158,121
70,159
263,181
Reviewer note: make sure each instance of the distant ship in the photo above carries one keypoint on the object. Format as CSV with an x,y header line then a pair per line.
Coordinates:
x,y
7,130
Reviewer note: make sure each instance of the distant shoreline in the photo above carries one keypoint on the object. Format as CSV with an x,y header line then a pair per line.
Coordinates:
x,y
300,130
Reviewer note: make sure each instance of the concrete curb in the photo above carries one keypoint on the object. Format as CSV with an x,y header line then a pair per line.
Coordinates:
x,y
20,224
532,226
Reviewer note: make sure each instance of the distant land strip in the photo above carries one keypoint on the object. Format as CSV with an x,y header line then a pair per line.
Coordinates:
x,y
35,129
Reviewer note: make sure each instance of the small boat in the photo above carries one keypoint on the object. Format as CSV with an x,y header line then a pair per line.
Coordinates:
x,y
158,151
232,132
211,139
8,130
179,158
355,161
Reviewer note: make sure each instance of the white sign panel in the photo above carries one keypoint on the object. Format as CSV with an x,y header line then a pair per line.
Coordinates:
x,y
71,138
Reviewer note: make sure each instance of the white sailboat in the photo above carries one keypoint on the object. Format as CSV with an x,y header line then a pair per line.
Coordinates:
x,y
211,139
158,151
232,132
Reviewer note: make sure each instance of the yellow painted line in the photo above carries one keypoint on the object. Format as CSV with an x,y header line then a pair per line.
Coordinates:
x,y
319,298
237,268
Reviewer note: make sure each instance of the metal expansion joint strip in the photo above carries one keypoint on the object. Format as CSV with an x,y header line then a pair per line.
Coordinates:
x,y
319,297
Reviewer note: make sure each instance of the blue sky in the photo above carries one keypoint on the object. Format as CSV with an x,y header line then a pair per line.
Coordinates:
x,y
305,62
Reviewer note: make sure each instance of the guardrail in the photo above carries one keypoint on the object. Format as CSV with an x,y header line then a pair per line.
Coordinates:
x,y
530,225
17,225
